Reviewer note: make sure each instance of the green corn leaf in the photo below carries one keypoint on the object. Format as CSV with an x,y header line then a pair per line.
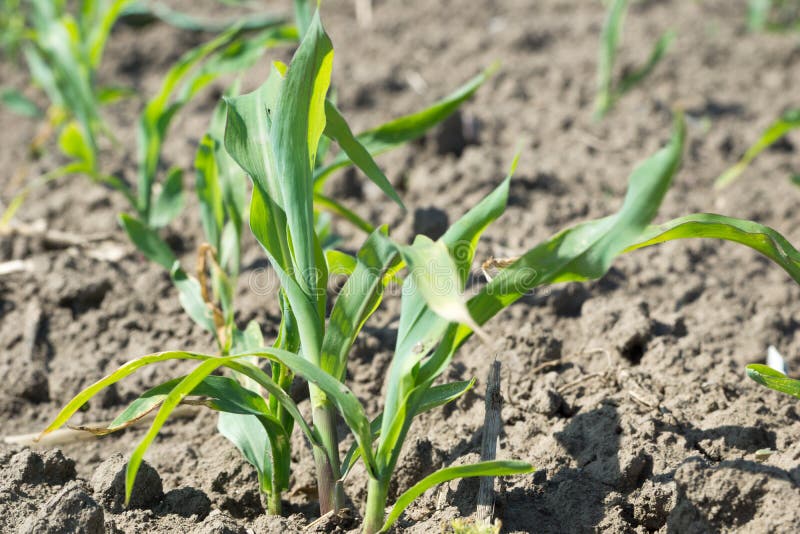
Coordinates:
x,y
769,377
340,263
160,110
73,143
789,121
431,398
184,387
407,128
420,327
109,95
247,435
350,408
100,29
337,208
248,133
143,405
276,391
265,446
169,202
337,129
246,421
302,14
43,75
125,370
443,394
636,77
20,104
236,362
239,55
209,193
147,241
609,91
494,468
359,298
461,239
609,43
69,73
298,123
223,396
758,14
191,298
582,252
587,250
265,221
248,340
435,275
418,323
143,12
761,238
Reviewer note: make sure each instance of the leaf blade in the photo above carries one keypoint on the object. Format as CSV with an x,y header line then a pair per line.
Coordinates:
x,y
490,468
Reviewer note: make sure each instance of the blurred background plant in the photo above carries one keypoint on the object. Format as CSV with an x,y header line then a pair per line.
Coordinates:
x,y
609,88
773,15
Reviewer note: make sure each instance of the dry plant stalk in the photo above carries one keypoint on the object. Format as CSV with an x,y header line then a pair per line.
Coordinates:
x,y
491,433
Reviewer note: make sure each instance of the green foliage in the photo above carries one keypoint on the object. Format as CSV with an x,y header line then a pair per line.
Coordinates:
x,y
142,12
20,104
773,15
610,90
771,135
404,129
769,377
278,136
12,27
274,134
492,468
63,51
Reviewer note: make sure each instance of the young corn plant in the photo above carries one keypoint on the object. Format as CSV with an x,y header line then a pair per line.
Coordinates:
x,y
260,138
63,52
789,121
609,89
273,134
63,55
156,205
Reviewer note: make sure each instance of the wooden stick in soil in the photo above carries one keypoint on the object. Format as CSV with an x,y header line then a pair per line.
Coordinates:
x,y
491,433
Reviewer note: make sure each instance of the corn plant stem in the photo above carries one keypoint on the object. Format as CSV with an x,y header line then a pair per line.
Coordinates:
x,y
271,502
326,459
377,493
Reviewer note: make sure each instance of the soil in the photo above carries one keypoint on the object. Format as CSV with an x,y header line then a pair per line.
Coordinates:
x,y
644,420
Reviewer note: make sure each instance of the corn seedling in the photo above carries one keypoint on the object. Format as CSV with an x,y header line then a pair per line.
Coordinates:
x,y
265,131
274,135
63,55
63,52
610,90
789,121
